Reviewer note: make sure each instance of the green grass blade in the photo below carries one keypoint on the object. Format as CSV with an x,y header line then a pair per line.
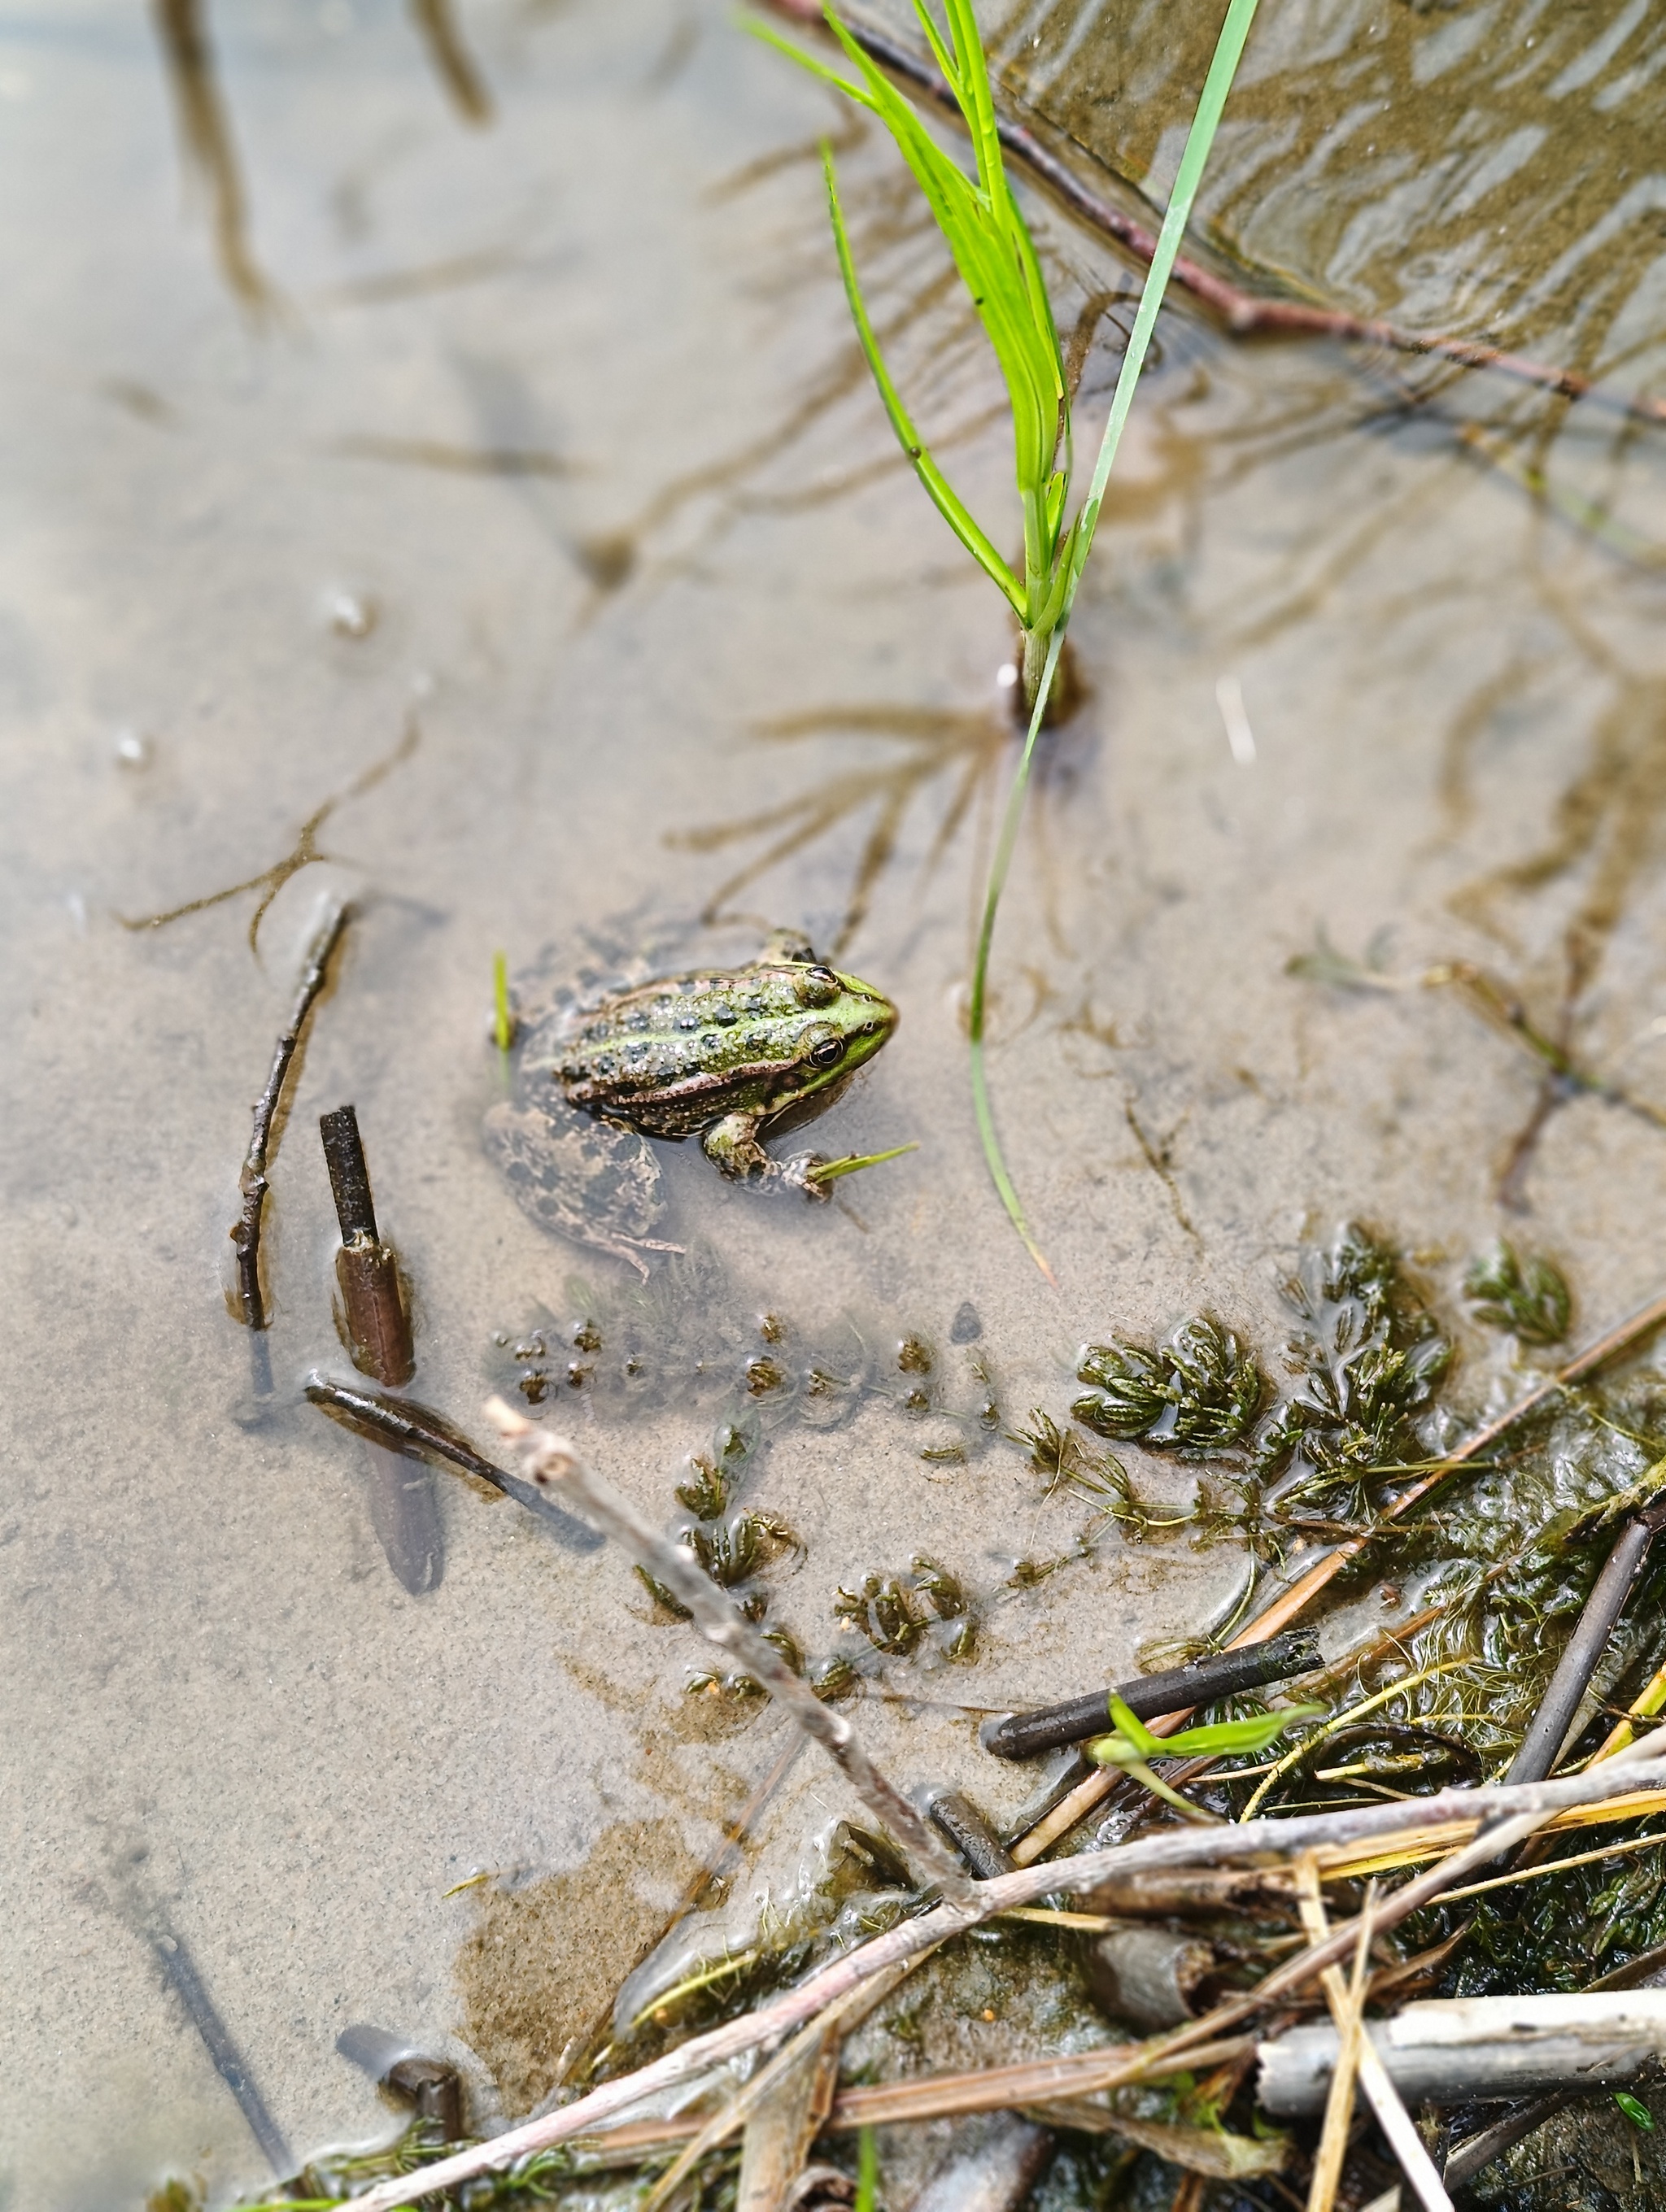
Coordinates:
x,y
942,494
771,37
1228,49
985,233
992,250
1002,861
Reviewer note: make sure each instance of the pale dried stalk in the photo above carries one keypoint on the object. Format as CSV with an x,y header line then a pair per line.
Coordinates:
x,y
1347,2014
1535,1802
1038,2084
838,2019
1357,2052
554,1465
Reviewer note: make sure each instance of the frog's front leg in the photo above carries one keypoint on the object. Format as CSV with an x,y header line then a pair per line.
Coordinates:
x,y
732,1144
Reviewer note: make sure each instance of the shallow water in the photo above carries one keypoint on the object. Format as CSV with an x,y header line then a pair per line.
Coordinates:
x,y
506,399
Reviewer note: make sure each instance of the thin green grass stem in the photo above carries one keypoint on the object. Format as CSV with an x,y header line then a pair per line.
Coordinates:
x,y
1229,50
868,2172
1002,861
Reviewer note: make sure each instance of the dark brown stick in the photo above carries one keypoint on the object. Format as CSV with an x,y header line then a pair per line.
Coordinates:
x,y
1244,313
366,1270
1542,1745
245,1230
400,1425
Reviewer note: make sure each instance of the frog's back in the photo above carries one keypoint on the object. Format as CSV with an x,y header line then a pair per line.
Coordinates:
x,y
671,1056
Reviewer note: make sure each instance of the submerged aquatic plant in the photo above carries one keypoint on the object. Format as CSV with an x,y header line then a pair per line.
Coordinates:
x,y
1197,1394
993,251
1368,1357
896,1612
1525,1293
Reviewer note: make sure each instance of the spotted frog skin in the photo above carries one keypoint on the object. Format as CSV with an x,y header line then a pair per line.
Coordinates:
x,y
723,1053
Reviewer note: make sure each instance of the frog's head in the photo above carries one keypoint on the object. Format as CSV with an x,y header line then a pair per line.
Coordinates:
x,y
838,1023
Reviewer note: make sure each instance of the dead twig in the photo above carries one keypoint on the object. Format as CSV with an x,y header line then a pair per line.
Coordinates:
x,y
1034,2084
1245,314
554,1467
252,1183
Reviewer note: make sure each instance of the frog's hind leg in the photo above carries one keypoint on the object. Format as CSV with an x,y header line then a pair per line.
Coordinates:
x,y
584,1180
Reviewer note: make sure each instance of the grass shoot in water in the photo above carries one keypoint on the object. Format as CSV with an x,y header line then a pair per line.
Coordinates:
x,y
993,251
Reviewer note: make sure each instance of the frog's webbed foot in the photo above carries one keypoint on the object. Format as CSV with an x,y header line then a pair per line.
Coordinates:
x,y
586,1180
732,1144
799,1172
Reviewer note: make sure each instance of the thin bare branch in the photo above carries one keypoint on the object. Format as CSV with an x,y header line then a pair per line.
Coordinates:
x,y
554,1466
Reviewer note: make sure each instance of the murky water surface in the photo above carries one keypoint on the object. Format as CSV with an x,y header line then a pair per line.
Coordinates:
x,y
471,394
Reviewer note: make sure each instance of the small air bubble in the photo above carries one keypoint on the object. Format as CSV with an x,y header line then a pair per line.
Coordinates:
x,y
133,748
349,614
1007,675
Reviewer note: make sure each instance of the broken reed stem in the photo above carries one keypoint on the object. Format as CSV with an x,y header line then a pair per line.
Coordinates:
x,y
1245,314
914,1938
842,2018
1356,2053
1347,2005
942,2096
551,1464
252,1183
1295,1601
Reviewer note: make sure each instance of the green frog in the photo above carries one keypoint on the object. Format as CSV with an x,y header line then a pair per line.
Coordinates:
x,y
723,1053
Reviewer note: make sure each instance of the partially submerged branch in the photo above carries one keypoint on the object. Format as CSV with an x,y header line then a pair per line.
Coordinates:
x,y
252,1183
552,1465
1245,314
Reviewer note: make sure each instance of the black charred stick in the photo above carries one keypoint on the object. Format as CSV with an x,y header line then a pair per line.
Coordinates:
x,y
245,1231
970,1834
1542,1745
230,2064
366,1270
1202,1682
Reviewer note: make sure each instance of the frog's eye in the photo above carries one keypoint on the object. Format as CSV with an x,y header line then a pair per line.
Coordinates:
x,y
827,1052
816,987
